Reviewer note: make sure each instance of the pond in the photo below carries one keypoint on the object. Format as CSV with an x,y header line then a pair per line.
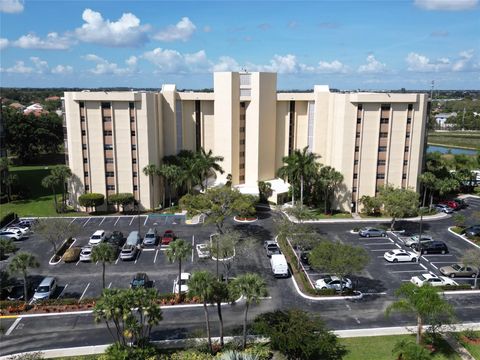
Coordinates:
x,y
450,150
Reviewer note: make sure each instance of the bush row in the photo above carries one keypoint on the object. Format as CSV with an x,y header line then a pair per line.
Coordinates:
x,y
7,218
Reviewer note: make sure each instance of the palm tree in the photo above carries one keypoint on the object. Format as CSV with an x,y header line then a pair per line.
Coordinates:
x,y
10,180
50,182
151,170
428,180
424,301
329,179
190,172
20,264
200,284
207,163
252,287
299,166
170,173
61,174
178,250
105,253
219,294
6,246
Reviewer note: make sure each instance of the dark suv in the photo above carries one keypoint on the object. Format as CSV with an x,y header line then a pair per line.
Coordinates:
x,y
432,247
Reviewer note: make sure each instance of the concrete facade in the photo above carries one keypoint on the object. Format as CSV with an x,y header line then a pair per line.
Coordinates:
x,y
371,138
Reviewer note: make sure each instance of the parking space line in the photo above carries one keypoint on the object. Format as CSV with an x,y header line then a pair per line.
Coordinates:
x,y
71,222
146,219
441,262
131,221
193,247
61,293
402,263
118,258
84,291
378,243
391,240
109,285
86,222
423,266
434,266
13,326
116,221
398,246
139,253
381,250
148,249
444,255
405,271
101,222
155,258
78,262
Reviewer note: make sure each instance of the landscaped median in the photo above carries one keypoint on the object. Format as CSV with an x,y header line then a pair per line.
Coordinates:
x,y
457,231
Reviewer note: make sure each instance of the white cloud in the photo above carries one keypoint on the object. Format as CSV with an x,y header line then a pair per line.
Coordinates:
x,y
226,63
421,63
465,61
286,64
52,42
41,66
126,32
62,69
372,66
446,5
19,68
11,6
38,66
131,61
183,30
3,43
104,67
332,67
171,61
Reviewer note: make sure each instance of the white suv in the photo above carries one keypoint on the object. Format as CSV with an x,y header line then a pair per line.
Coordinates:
x,y
97,237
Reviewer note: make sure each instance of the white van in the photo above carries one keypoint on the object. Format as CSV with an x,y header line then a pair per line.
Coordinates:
x,y
279,265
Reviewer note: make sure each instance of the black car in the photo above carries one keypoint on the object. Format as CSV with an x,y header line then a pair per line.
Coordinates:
x,y
16,292
141,280
472,231
432,247
116,238
461,203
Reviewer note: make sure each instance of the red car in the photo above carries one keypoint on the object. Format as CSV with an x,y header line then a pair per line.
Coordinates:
x,y
168,236
450,203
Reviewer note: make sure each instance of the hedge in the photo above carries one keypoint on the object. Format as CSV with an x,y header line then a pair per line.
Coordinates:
x,y
9,217
91,200
456,287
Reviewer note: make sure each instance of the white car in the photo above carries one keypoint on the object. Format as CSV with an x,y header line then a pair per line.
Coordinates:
x,y
86,254
399,255
25,230
97,237
11,234
333,282
184,277
432,280
203,251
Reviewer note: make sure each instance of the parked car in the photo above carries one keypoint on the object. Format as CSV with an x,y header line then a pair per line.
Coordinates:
x,y
97,237
116,238
24,229
26,223
409,241
450,203
11,234
184,277
461,203
459,270
431,247
279,265
372,232
17,293
271,247
432,279
46,288
129,252
72,254
86,254
399,255
333,282
203,251
472,231
443,208
150,237
141,280
304,257
168,237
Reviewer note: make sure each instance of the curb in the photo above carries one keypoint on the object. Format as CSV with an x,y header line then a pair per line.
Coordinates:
x,y
50,262
244,221
461,292
464,238
221,259
325,298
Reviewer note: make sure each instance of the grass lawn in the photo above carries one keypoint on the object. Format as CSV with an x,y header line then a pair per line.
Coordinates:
x,y
474,349
38,201
470,139
380,348
317,214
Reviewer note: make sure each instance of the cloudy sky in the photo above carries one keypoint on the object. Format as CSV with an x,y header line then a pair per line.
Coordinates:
x,y
386,44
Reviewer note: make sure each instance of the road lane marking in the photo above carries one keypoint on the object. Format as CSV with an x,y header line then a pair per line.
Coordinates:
x,y
71,222
86,222
131,221
145,223
13,326
63,290
155,259
423,266
84,291
193,247
101,222
116,221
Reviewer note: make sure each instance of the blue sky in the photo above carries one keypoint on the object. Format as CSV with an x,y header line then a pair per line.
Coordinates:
x,y
383,44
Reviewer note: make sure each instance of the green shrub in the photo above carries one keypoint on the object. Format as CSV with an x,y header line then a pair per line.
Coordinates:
x,y
91,200
456,287
119,352
191,355
9,217
121,199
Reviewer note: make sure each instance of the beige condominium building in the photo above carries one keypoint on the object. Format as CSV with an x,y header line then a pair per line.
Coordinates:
x,y
371,138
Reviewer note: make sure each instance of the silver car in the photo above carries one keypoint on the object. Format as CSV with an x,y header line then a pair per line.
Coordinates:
x,y
46,289
129,252
86,254
150,237
372,232
443,208
414,240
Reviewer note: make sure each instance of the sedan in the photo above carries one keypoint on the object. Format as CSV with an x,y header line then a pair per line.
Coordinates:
x,y
129,252
184,277
17,292
150,237
432,280
141,280
333,282
271,247
450,203
443,208
372,232
472,231
168,237
11,234
459,270
414,240
203,251
399,255
25,230
86,254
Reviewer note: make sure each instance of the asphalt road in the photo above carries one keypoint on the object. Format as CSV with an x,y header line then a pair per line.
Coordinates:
x,y
379,281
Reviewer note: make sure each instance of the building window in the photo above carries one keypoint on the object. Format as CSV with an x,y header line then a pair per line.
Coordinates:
x,y
405,162
355,176
242,129
134,146
410,107
357,135
85,160
360,107
87,187
85,174
385,107
108,147
131,105
135,187
84,133
242,177
82,118
107,119
407,148
109,174
382,149
384,121
242,117
107,132
133,132
110,187
242,166
242,142
380,162
409,120
84,146
134,161
245,92
383,134
407,135
355,162
242,104
108,160
135,174
105,105
359,120
380,176
404,176
242,153
354,189
82,105
357,148
132,118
